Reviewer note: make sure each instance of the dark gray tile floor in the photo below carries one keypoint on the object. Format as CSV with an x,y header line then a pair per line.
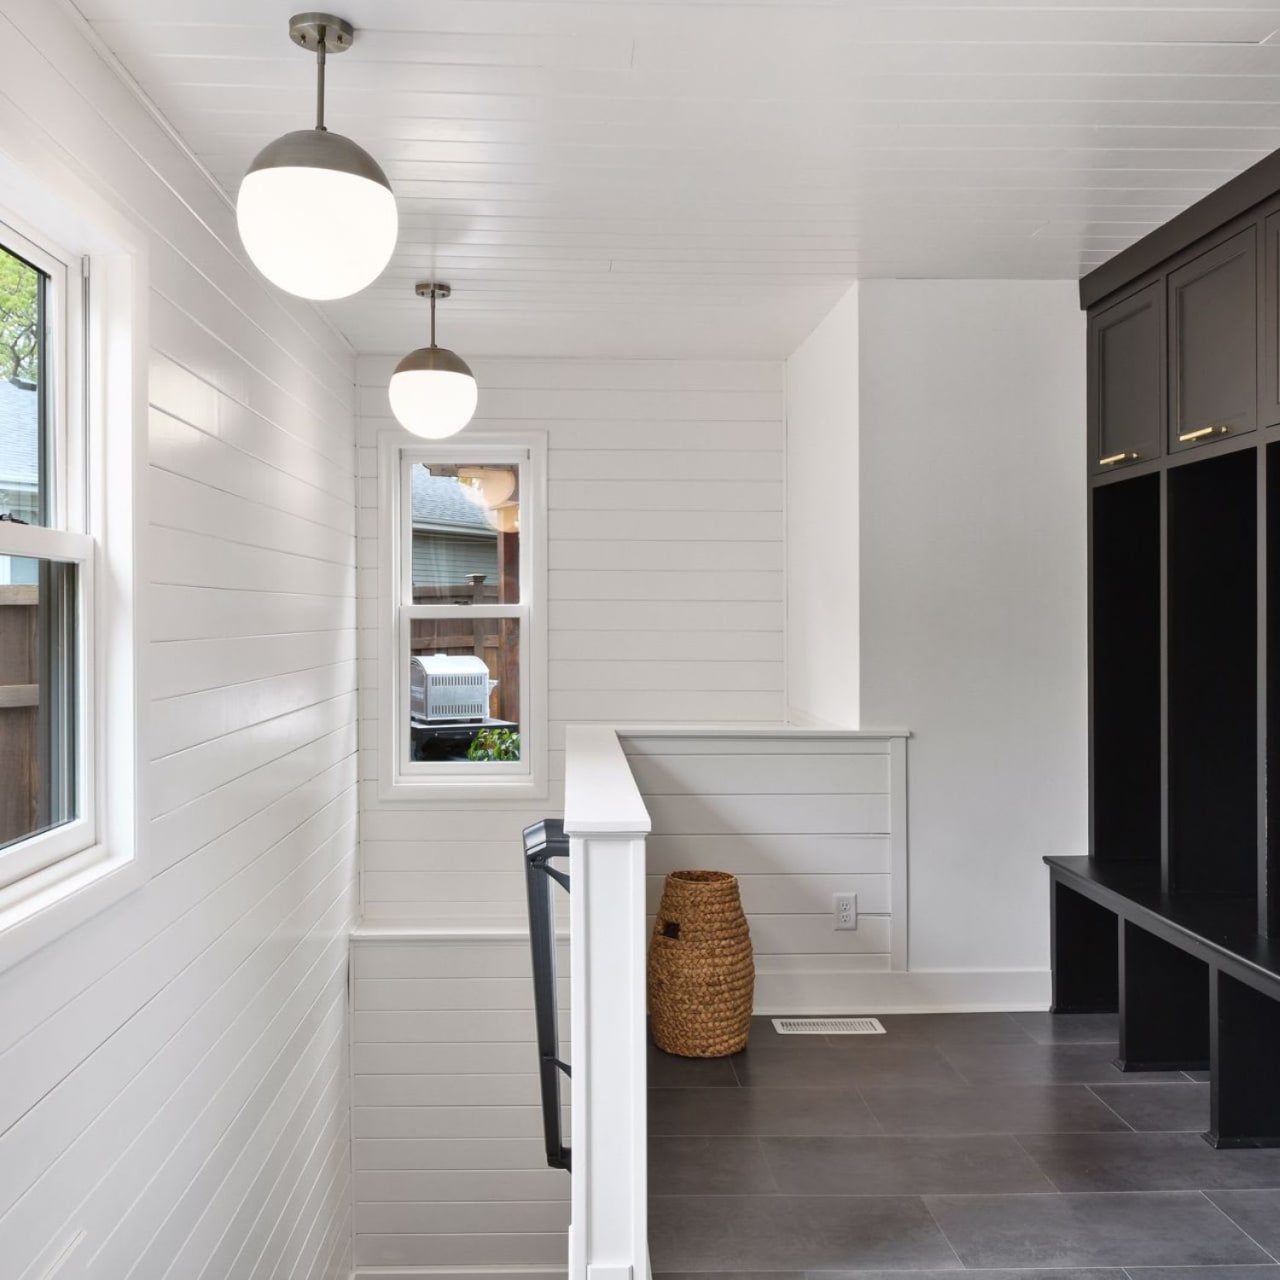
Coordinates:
x,y
1005,1145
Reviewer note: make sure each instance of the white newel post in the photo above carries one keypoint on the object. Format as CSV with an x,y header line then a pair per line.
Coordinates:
x,y
607,822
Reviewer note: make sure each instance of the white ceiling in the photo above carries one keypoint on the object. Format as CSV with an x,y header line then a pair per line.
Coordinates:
x,y
636,177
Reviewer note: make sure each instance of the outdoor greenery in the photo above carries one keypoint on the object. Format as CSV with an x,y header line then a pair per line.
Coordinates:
x,y
19,319
495,744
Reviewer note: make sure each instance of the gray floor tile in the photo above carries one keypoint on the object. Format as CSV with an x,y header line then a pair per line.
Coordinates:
x,y
1269,1271
1070,1028
1159,1108
1258,1212
744,1275
1045,1064
1147,1162
871,1166
938,1029
1152,1229
1016,1273
821,1233
1005,1109
670,1072
708,1166
764,1036
817,1068
756,1112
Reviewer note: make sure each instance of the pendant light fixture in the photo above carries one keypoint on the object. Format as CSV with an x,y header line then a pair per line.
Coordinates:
x,y
315,210
488,486
433,391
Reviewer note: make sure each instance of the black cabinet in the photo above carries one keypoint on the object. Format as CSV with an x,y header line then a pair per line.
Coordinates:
x,y
1213,343
1126,380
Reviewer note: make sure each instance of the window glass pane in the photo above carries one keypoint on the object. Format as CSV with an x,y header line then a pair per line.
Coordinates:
x,y
466,533
37,696
464,689
24,458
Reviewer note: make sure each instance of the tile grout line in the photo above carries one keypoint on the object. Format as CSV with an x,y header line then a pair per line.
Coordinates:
x,y
1044,1173
1239,1228
1093,1093
928,1208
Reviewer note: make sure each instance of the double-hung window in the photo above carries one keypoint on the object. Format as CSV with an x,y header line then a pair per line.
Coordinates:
x,y
463,586
47,554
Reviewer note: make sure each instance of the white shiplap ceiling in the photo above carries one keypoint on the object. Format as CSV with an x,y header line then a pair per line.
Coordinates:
x,y
635,177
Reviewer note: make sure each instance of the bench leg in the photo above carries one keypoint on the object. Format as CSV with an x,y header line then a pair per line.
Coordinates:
x,y
1164,1005
1085,954
1244,1098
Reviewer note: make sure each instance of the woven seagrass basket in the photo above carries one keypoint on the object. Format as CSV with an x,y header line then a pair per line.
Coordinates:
x,y
701,972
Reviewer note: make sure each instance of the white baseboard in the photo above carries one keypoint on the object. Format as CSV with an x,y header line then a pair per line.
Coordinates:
x,y
919,991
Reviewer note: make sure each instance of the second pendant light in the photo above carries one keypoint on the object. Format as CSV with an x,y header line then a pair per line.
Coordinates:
x,y
433,391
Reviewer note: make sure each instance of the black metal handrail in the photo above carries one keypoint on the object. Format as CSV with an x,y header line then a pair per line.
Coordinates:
x,y
542,842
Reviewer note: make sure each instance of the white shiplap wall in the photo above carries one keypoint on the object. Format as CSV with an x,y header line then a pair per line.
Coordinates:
x,y
446,1121
798,816
173,1077
665,583
666,604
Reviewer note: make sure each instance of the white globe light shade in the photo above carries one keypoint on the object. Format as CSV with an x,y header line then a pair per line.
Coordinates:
x,y
317,216
433,393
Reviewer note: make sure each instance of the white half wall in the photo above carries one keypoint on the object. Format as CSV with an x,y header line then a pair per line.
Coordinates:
x,y
822,522
173,1072
971,434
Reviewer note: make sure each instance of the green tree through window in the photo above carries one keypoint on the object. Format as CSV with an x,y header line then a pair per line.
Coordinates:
x,y
19,319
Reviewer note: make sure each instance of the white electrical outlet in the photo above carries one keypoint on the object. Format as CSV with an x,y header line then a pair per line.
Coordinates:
x,y
845,909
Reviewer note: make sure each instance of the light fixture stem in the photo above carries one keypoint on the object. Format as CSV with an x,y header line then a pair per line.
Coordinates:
x,y
433,315
320,62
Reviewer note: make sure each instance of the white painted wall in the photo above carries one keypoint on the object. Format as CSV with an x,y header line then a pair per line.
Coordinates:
x,y
173,1076
823,630
973,598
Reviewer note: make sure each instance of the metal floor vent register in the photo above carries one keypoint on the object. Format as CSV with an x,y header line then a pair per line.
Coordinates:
x,y
828,1026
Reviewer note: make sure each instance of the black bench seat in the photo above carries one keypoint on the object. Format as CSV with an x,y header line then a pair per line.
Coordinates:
x,y
1195,984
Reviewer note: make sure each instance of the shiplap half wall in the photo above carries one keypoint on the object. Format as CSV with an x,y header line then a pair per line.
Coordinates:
x,y
173,1073
798,816
665,584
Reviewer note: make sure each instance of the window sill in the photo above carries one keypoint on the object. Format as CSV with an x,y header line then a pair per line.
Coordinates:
x,y
42,907
427,790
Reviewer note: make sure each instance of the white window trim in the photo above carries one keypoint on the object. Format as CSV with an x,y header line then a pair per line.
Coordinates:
x,y
400,779
47,202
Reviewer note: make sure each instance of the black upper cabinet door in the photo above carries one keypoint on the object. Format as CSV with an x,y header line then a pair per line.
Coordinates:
x,y
1126,380
1269,367
1213,343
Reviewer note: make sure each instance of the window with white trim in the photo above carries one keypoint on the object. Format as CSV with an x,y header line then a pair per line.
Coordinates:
x,y
464,590
47,554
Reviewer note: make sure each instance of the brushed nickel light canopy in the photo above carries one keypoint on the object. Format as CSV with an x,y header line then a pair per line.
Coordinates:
x,y
433,391
315,210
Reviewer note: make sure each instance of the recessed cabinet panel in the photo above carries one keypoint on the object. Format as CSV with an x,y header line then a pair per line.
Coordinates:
x,y
1126,380
1125,672
1213,344
1213,674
